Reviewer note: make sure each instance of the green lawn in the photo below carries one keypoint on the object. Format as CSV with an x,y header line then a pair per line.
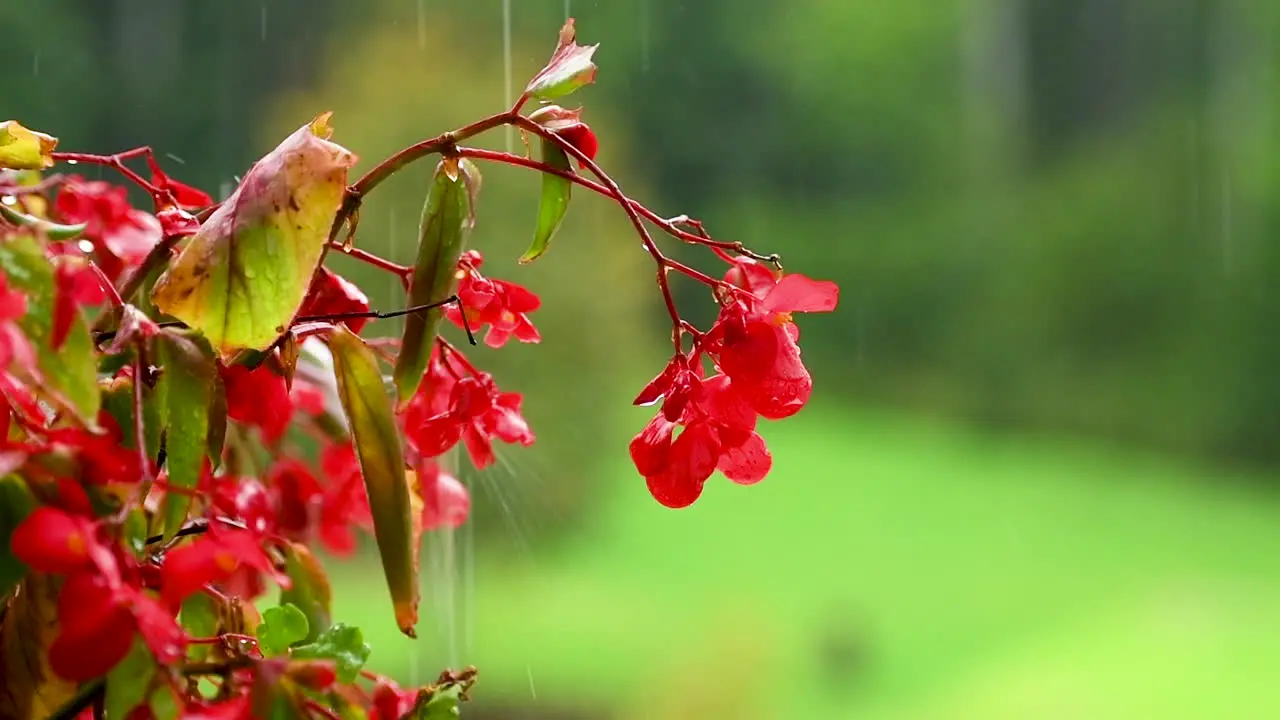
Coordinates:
x,y
980,577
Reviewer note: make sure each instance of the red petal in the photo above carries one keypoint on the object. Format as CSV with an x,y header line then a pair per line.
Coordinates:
x,y
95,628
673,490
695,453
754,277
651,447
190,567
52,541
797,293
159,630
258,397
331,294
748,463
445,500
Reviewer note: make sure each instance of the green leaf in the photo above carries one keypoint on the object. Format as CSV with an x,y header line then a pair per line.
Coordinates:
x,y
128,681
117,400
377,442
165,704
187,389
281,627
52,230
135,530
23,149
309,589
342,644
16,502
447,218
554,202
70,370
242,277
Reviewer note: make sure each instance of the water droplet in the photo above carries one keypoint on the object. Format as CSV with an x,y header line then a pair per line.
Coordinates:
x,y
250,273
73,162
85,246
9,200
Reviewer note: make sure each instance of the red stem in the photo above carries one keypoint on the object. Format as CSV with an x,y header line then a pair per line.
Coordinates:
x,y
116,161
404,271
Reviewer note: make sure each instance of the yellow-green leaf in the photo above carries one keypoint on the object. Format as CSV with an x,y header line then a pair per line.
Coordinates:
x,y
447,218
377,442
554,202
70,370
23,149
242,277
187,389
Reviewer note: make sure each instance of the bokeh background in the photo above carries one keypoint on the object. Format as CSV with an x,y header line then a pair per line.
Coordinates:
x,y
1038,478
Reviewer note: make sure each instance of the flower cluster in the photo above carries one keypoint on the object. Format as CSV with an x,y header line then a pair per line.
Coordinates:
x,y
709,422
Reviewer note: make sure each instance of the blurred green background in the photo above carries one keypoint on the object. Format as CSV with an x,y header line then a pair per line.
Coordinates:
x,y
1039,476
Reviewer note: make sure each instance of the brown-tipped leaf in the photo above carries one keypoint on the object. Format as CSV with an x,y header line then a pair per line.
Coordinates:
x,y
377,441
447,218
31,690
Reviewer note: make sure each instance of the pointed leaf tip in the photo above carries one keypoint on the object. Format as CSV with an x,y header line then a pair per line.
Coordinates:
x,y
570,67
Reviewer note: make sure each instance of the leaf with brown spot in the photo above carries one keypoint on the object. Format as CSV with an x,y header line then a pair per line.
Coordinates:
x,y
242,277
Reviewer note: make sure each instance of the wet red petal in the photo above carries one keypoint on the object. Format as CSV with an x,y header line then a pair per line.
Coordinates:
x,y
747,463
752,276
446,502
651,447
331,294
95,629
797,293
52,541
695,452
159,630
673,490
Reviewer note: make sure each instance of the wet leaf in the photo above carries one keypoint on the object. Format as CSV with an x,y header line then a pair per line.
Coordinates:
x,y
165,704
281,627
71,370
31,690
16,502
128,681
553,204
341,643
242,277
570,67
447,218
377,442
23,149
53,231
443,703
309,591
117,400
186,388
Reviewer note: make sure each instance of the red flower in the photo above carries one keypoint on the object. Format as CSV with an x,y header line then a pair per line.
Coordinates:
x,y
719,432
344,502
14,345
501,305
76,284
674,385
121,235
332,295
50,540
258,398
475,412
754,339
445,501
102,457
298,494
568,125
184,195
213,558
